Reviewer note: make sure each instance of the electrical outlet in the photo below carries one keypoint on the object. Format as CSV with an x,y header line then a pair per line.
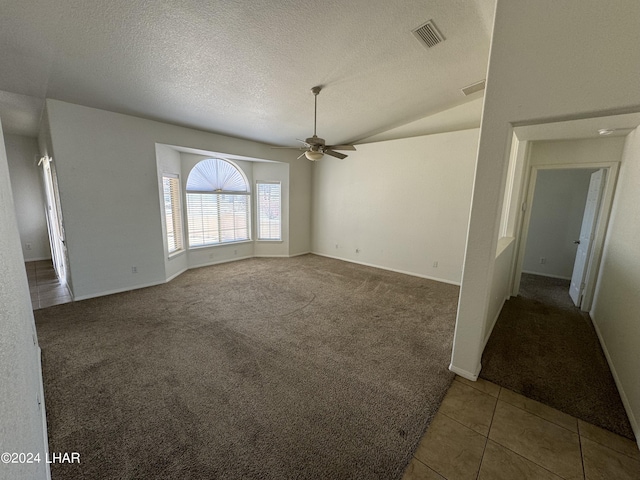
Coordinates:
x,y
543,260
134,269
27,246
435,264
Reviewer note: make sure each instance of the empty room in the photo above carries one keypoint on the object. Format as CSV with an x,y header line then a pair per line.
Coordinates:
x,y
368,240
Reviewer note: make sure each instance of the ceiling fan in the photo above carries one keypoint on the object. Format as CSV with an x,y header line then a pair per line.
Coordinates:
x,y
315,147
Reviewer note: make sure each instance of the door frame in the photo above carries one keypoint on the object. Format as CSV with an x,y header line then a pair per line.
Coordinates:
x,y
602,223
54,221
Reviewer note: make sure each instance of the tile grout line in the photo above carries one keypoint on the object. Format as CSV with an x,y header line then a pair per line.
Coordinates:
x,y
530,461
463,425
527,411
606,445
584,472
486,439
430,468
542,418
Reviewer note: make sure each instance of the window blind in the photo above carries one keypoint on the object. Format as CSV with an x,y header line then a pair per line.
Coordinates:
x,y
269,199
217,204
172,213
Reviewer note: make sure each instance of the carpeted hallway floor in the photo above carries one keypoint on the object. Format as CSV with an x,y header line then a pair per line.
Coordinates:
x,y
545,348
258,369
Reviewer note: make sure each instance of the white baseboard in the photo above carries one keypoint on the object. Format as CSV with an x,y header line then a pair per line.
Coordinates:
x,y
299,254
175,275
43,412
218,262
117,290
623,396
36,259
546,275
404,272
464,373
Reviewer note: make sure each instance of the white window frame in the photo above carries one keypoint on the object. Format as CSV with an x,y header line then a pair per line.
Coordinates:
x,y
259,233
218,194
173,223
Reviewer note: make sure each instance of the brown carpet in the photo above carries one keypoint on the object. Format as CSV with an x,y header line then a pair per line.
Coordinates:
x,y
259,369
547,349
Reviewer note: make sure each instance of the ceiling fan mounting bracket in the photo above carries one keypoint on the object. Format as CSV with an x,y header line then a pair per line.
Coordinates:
x,y
316,90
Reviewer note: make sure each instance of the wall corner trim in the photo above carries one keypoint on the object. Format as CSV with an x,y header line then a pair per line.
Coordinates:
x,y
465,374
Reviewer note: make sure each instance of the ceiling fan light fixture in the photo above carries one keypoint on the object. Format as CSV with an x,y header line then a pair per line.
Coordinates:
x,y
313,156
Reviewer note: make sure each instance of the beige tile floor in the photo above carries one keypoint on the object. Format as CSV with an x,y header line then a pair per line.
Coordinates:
x,y
44,286
486,432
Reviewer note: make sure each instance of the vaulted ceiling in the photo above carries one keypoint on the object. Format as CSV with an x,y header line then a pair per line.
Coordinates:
x,y
242,68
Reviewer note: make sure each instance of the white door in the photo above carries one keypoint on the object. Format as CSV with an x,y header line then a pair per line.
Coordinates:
x,y
589,221
54,221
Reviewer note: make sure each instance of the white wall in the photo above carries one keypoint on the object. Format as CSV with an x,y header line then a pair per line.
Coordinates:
x,y
169,162
21,419
617,297
549,61
556,218
579,151
499,284
403,204
108,179
26,183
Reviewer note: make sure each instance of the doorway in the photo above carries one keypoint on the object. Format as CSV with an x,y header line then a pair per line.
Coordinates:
x,y
563,217
557,199
54,221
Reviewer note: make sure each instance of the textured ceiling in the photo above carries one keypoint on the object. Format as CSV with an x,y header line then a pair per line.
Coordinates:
x,y
245,68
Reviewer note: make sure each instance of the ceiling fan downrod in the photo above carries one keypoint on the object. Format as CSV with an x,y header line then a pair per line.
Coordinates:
x,y
315,91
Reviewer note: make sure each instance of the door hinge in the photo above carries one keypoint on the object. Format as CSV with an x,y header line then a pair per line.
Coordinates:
x,y
524,206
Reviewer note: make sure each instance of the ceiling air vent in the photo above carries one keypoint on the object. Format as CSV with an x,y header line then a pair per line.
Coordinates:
x,y
473,88
428,34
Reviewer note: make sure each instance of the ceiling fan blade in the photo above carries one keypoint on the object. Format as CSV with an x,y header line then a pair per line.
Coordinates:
x,y
334,154
341,147
301,155
304,141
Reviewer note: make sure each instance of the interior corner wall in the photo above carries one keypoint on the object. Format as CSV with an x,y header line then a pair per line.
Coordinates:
x,y
401,205
169,162
616,300
556,219
108,181
300,186
27,187
22,427
540,52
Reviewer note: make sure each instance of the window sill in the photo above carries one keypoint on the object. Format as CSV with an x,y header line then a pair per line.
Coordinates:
x,y
217,245
269,241
173,255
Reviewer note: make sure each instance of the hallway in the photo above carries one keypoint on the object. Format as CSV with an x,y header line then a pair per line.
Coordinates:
x,y
546,349
44,286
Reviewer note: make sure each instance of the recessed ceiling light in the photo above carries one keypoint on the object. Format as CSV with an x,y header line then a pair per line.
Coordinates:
x,y
606,131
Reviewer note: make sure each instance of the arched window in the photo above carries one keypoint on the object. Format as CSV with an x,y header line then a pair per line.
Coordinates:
x,y
217,203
